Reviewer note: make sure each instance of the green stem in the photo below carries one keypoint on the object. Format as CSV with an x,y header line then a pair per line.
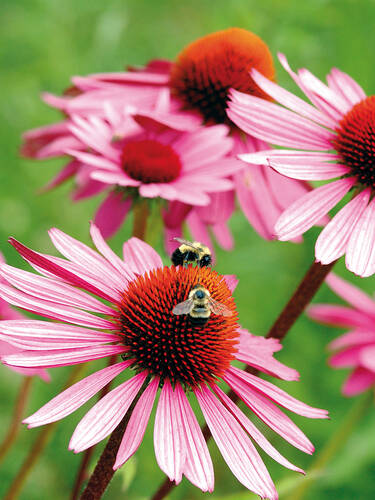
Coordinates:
x,y
337,441
15,424
39,444
140,215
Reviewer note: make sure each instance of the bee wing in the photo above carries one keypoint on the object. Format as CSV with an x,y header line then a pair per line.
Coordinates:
x,y
183,307
219,308
184,242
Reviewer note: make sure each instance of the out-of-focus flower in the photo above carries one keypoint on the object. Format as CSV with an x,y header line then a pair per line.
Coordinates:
x,y
343,120
355,349
134,317
152,160
196,85
8,313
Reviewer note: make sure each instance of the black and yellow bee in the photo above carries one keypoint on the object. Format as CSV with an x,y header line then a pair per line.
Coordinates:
x,y
191,251
200,305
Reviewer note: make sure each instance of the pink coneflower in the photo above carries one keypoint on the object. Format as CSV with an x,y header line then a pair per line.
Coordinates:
x,y
152,159
7,313
355,349
197,85
134,318
334,139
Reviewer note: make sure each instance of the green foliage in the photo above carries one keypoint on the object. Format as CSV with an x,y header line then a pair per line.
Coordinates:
x,y
43,43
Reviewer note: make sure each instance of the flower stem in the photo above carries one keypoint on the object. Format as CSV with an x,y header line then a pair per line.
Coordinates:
x,y
82,471
140,215
103,471
337,441
15,424
298,302
39,445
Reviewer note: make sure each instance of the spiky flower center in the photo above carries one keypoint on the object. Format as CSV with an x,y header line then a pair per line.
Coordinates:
x,y
355,141
171,346
207,68
150,161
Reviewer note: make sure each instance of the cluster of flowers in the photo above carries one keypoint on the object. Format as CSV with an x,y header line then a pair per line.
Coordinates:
x,y
164,133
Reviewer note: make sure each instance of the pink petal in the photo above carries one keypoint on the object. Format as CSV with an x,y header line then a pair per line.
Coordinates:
x,y
44,335
75,396
169,439
347,358
52,310
289,100
94,160
279,396
258,352
105,415
269,413
140,256
258,437
332,241
358,381
63,357
308,210
137,424
349,339
223,236
109,255
351,294
340,316
111,213
235,446
85,256
48,264
232,281
367,357
198,466
286,155
51,290
346,86
360,252
275,124
294,169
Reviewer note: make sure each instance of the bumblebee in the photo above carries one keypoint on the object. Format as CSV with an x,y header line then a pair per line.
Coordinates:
x,y
190,251
200,305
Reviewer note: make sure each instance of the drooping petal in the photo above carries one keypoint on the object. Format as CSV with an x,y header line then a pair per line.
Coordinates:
x,y
75,396
270,414
367,358
295,169
280,397
105,415
340,316
137,424
308,210
258,352
360,252
169,439
351,294
360,380
235,446
198,466
258,437
332,241
112,212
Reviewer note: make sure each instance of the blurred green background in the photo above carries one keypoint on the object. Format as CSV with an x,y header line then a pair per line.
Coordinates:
x,y
43,43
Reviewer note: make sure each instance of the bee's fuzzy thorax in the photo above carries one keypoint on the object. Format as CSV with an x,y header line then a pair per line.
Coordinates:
x,y
171,346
